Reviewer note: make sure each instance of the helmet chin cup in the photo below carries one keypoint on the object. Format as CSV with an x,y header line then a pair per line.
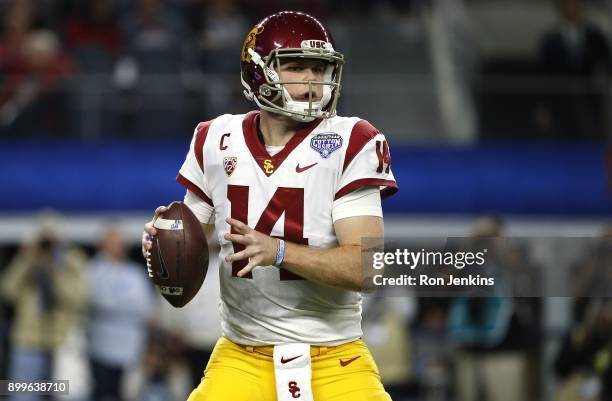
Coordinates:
x,y
304,111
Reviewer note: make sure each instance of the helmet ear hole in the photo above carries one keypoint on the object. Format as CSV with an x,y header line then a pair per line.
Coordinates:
x,y
264,90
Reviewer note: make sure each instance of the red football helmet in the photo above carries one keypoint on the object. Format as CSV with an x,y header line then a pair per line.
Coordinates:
x,y
289,34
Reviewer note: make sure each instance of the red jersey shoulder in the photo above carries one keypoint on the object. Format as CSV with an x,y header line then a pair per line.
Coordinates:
x,y
362,133
215,134
201,132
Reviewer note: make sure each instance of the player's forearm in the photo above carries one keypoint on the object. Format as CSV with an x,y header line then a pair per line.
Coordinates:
x,y
337,267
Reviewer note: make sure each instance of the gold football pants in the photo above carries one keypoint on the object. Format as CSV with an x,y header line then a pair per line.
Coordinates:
x,y
239,373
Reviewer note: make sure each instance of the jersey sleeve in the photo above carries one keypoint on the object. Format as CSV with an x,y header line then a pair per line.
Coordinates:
x,y
203,211
364,201
191,174
367,162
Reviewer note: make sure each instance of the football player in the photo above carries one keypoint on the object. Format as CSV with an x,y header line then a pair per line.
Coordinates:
x,y
291,190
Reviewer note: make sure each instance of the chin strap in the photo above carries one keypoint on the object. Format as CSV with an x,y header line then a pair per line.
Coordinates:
x,y
248,93
270,73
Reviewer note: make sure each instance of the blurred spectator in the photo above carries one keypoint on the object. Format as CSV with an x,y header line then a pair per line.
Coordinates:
x,y
94,26
197,326
224,26
577,52
386,317
592,277
496,336
431,353
258,9
157,42
95,38
17,23
5,318
217,46
18,19
3,338
47,286
138,62
360,8
121,305
584,361
156,37
157,367
32,98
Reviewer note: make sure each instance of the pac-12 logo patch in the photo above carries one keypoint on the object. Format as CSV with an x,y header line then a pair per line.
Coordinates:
x,y
326,143
229,164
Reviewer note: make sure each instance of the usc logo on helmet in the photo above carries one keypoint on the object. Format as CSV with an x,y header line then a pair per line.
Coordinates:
x,y
249,42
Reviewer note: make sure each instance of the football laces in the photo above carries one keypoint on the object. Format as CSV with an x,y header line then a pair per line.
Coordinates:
x,y
148,259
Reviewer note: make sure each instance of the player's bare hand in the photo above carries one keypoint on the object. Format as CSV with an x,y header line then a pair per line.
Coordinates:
x,y
260,249
150,232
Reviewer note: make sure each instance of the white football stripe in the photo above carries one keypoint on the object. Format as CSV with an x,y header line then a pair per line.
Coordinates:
x,y
174,291
165,224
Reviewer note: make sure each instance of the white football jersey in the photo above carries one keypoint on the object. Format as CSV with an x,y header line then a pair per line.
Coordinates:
x,y
288,195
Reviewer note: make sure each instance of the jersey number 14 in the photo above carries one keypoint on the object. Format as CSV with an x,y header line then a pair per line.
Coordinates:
x,y
285,200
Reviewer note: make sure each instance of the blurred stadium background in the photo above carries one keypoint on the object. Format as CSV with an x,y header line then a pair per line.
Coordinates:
x,y
498,117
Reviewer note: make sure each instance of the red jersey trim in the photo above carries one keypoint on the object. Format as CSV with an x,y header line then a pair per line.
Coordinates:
x,y
201,133
390,187
362,133
258,149
193,188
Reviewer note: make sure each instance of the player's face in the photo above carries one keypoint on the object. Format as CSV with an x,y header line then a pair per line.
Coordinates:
x,y
303,70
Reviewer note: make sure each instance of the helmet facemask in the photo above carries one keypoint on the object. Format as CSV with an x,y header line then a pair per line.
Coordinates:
x,y
273,96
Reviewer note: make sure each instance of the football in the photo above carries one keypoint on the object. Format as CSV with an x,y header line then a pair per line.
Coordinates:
x,y
179,256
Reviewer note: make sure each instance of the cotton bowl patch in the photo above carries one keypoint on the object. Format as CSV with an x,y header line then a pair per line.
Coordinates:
x,y
326,143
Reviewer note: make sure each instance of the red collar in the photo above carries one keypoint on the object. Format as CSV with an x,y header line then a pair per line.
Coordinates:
x,y
269,164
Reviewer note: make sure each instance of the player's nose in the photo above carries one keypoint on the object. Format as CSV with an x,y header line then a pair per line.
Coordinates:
x,y
311,74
